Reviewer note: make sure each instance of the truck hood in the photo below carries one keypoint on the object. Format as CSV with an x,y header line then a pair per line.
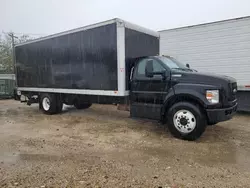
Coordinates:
x,y
201,78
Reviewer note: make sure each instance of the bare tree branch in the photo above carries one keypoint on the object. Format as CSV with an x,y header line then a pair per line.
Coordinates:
x,y
6,59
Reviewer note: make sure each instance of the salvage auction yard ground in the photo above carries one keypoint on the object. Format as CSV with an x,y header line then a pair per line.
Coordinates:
x,y
103,147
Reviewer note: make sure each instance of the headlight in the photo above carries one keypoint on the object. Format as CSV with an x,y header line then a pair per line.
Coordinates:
x,y
212,96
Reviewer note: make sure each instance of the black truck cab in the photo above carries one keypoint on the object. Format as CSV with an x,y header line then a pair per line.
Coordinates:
x,y
164,89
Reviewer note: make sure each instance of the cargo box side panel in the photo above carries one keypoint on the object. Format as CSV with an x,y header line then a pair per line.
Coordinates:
x,y
138,44
81,60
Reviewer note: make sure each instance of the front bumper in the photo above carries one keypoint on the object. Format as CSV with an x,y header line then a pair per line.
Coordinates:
x,y
218,115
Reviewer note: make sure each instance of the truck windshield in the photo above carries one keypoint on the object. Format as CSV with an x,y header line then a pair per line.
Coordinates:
x,y
173,63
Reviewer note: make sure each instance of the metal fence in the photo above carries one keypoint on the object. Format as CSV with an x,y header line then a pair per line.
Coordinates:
x,y
7,85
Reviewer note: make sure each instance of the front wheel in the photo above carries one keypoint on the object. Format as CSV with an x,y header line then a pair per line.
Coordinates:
x,y
210,123
186,121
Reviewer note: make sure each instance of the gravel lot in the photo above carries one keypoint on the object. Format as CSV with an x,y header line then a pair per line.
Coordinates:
x,y
103,147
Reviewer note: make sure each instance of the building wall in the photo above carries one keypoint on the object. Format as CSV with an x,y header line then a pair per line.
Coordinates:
x,y
219,47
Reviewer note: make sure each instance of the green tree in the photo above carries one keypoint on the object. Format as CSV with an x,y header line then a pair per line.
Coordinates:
x,y
6,53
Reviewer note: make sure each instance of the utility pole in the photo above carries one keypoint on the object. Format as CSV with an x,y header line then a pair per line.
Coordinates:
x,y
13,53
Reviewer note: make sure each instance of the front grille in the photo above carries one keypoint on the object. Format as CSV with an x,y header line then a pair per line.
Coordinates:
x,y
232,91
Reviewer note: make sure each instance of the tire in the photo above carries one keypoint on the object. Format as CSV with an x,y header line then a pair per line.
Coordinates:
x,y
186,121
49,103
211,123
59,106
80,106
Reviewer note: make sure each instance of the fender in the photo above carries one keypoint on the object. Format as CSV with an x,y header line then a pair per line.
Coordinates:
x,y
195,92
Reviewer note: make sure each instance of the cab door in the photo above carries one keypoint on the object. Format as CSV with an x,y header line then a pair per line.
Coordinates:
x,y
148,93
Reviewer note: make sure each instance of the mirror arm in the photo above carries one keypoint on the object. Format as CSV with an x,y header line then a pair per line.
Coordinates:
x,y
162,73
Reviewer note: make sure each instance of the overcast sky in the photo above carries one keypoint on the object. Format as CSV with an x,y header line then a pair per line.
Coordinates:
x,y
52,16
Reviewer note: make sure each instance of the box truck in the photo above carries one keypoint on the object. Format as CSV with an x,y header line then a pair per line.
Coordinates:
x,y
117,62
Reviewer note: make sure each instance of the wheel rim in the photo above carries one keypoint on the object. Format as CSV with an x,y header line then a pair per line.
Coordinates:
x,y
46,103
184,121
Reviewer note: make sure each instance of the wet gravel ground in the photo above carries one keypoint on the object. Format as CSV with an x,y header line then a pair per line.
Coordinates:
x,y
103,147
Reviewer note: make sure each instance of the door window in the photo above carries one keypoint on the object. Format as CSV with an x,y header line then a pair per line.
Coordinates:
x,y
157,67
141,67
140,72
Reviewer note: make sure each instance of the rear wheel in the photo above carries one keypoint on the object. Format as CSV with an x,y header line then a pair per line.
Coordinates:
x,y
186,121
80,106
50,103
59,106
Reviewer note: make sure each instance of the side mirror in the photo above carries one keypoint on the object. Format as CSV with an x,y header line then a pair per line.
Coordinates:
x,y
187,65
149,69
